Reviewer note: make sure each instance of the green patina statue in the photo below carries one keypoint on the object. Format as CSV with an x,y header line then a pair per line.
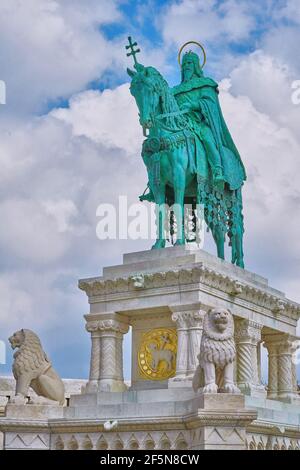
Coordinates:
x,y
189,153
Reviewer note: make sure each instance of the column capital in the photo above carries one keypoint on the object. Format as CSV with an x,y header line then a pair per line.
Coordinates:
x,y
283,343
187,317
247,330
187,320
112,322
288,345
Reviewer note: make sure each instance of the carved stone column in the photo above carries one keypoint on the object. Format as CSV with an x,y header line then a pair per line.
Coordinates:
x,y
94,376
282,383
295,359
182,348
272,348
247,338
194,339
106,366
287,378
285,373
189,330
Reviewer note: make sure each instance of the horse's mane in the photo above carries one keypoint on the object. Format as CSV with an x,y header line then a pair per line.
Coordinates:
x,y
169,103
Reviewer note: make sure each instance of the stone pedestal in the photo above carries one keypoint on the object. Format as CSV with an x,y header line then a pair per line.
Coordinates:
x,y
163,295
27,426
223,419
174,288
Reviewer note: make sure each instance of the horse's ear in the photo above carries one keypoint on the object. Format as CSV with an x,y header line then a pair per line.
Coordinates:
x,y
131,73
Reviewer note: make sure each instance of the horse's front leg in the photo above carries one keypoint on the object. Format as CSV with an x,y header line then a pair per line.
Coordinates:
x,y
218,236
237,249
237,239
160,197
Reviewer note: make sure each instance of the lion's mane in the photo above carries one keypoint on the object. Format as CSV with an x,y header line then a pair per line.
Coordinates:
x,y
30,357
217,347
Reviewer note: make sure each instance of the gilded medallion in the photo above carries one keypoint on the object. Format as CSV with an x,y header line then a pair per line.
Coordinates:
x,y
157,354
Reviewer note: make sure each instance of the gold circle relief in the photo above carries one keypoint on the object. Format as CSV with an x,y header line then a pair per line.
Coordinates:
x,y
157,354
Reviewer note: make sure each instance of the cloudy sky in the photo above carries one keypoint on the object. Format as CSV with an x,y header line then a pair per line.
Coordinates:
x,y
70,140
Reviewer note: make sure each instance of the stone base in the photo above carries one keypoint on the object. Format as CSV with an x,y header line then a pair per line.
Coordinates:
x,y
292,399
222,401
258,391
222,420
180,382
27,426
33,412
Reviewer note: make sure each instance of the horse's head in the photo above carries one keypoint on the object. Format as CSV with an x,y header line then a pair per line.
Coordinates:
x,y
146,89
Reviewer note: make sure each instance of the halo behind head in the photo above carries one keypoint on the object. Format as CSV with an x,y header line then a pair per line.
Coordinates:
x,y
197,44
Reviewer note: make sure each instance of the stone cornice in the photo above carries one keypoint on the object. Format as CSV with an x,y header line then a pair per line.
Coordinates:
x,y
264,297
189,422
273,429
24,425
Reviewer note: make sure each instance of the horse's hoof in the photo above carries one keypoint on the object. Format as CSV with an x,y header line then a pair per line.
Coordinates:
x,y
158,244
179,243
240,263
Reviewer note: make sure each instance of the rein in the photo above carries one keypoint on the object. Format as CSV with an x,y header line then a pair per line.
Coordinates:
x,y
176,113
160,117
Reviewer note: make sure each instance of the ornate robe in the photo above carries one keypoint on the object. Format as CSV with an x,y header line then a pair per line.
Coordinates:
x,y
201,94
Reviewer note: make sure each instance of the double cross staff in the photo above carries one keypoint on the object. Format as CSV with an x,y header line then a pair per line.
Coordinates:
x,y
132,52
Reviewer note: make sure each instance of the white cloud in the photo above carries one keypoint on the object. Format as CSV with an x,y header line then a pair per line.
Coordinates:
x,y
268,83
63,212
207,20
51,49
289,11
56,170
270,146
110,118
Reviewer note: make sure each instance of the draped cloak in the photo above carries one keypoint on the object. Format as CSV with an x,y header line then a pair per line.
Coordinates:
x,y
201,93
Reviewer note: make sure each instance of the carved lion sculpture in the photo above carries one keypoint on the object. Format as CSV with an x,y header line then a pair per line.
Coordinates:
x,y
32,368
217,354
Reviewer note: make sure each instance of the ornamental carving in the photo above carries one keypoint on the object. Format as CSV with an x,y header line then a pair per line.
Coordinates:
x,y
157,354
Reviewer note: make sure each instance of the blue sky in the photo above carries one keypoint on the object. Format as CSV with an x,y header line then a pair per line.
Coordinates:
x,y
70,140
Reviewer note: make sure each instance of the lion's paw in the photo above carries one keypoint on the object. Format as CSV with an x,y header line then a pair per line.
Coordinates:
x,y
210,388
18,400
40,400
231,388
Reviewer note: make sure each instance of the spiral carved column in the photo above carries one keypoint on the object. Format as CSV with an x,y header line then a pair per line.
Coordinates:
x,y
272,370
247,338
282,379
286,377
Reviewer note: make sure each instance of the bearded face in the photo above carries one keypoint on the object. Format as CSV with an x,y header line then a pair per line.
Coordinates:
x,y
188,68
220,319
